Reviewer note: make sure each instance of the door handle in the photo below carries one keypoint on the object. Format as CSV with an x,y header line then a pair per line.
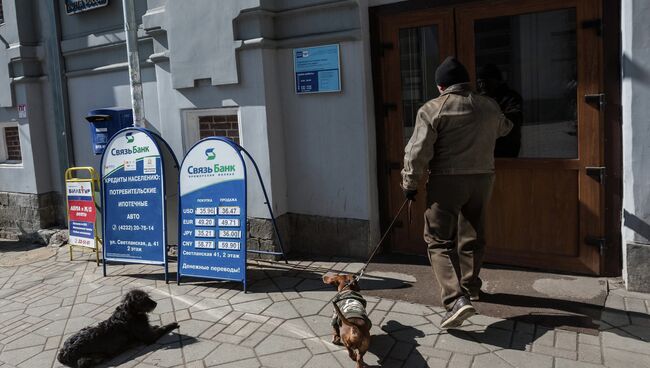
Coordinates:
x,y
597,173
597,99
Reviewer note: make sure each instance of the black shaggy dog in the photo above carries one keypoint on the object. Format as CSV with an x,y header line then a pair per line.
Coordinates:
x,y
127,327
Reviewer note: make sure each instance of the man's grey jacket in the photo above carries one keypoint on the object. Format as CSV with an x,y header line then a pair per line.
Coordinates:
x,y
454,134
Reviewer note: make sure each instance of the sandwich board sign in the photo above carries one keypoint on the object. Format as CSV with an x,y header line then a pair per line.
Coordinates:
x,y
212,236
138,172
81,213
82,209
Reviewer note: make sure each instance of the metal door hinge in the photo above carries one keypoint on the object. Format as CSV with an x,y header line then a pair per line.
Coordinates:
x,y
596,99
597,173
597,241
596,24
389,107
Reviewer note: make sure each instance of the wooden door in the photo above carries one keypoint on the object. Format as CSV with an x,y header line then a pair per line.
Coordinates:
x,y
546,210
413,45
547,207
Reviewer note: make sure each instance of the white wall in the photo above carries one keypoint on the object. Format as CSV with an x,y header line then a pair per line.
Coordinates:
x,y
22,178
636,125
201,40
326,141
249,97
93,91
275,133
369,112
317,153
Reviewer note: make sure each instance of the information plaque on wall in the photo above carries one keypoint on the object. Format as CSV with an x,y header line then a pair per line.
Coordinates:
x,y
213,212
317,69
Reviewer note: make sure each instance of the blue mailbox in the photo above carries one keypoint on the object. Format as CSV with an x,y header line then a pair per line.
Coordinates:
x,y
105,122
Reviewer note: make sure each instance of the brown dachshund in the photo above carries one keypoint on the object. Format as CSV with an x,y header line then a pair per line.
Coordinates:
x,y
350,321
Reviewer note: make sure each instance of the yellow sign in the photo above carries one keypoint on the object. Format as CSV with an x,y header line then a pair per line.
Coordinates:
x,y
82,209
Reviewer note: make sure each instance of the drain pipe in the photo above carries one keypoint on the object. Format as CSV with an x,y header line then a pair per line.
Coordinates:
x,y
58,88
131,31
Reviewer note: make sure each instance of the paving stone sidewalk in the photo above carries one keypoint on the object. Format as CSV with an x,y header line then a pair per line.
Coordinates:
x,y
284,322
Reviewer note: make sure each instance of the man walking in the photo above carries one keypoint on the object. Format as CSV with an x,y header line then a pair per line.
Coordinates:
x,y
454,139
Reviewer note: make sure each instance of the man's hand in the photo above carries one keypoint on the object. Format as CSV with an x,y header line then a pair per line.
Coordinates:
x,y
410,194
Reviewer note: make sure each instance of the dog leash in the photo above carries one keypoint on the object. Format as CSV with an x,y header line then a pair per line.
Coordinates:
x,y
390,227
359,274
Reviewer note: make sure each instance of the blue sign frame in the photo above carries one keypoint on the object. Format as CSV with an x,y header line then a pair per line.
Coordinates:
x,y
210,256
317,69
159,223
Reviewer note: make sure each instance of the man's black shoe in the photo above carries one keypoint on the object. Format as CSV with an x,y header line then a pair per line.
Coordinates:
x,y
461,311
475,295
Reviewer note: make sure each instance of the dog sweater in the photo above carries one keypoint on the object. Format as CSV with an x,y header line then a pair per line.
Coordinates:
x,y
352,305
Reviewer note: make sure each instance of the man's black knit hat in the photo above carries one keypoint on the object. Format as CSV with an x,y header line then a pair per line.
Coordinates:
x,y
451,72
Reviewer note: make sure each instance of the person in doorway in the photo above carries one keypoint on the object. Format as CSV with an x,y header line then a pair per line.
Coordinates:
x,y
454,139
490,83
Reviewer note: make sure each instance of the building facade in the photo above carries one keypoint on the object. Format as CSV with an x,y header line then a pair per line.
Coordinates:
x,y
573,199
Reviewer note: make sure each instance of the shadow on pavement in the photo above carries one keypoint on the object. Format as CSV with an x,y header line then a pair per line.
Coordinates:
x,y
397,331
501,333
581,315
18,246
15,253
514,292
172,341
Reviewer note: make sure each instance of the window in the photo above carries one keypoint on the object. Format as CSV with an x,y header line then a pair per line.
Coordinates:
x,y
200,124
535,56
10,144
219,126
419,59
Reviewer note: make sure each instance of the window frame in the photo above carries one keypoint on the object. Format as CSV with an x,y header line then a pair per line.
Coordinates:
x,y
4,154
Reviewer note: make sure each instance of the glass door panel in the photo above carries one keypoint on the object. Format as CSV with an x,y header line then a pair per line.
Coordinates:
x,y
419,58
528,63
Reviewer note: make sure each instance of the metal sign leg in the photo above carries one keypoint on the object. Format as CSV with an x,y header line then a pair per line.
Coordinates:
x,y
268,205
166,272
